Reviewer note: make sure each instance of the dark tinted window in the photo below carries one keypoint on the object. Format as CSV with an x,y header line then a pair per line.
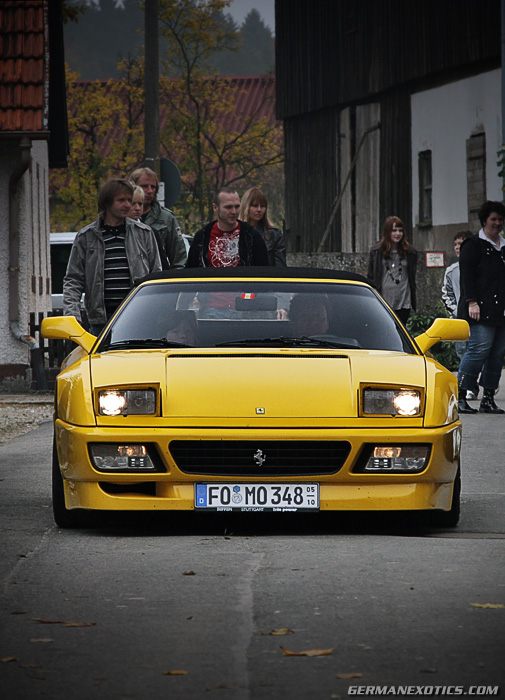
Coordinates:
x,y
207,314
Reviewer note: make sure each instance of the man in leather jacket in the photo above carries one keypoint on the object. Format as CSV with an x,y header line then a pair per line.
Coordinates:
x,y
108,257
227,241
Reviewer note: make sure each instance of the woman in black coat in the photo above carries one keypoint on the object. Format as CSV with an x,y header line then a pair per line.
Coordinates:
x,y
482,304
254,210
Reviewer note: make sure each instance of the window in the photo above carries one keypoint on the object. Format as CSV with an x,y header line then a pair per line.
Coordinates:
x,y
475,177
425,189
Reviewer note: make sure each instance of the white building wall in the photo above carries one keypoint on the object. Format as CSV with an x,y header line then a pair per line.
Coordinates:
x,y
34,261
443,118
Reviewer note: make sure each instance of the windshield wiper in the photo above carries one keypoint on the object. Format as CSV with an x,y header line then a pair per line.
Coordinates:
x,y
146,342
301,341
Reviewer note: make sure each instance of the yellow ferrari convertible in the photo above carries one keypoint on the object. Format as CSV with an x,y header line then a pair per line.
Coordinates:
x,y
255,389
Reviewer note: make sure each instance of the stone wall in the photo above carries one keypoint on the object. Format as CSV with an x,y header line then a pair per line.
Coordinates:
x,y
429,280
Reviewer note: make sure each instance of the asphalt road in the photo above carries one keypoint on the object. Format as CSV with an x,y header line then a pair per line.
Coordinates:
x,y
109,613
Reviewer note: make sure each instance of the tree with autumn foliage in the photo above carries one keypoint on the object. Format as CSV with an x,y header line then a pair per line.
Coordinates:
x,y
204,133
105,141
211,142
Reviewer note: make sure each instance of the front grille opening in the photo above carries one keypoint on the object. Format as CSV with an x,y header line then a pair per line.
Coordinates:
x,y
259,457
144,488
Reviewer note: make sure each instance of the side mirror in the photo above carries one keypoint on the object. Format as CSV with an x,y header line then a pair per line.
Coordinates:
x,y
443,329
67,328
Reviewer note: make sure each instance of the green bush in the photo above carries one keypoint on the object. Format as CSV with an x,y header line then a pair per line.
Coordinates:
x,y
444,351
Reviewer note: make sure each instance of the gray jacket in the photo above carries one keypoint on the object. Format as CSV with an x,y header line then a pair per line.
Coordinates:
x,y
85,269
163,221
450,289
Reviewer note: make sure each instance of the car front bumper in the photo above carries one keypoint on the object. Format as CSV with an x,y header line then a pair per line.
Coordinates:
x,y
172,489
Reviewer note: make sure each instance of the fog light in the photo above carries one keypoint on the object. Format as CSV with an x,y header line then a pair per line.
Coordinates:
x,y
401,458
110,457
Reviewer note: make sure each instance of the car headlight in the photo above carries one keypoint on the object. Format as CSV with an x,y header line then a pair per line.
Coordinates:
x,y
391,402
394,459
134,457
127,402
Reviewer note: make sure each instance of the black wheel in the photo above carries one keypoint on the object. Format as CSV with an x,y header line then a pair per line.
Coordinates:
x,y
449,518
64,517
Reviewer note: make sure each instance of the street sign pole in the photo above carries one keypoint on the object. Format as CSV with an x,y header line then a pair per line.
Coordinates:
x,y
151,87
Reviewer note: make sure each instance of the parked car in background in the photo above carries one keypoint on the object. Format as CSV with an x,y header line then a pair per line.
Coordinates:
x,y
255,389
61,245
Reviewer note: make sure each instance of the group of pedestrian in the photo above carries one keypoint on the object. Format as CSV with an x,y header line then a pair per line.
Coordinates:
x,y
473,289
134,236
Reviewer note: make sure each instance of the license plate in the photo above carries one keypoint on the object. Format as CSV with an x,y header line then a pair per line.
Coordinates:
x,y
257,497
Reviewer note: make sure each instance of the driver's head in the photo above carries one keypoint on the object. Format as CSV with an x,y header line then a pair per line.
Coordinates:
x,y
308,314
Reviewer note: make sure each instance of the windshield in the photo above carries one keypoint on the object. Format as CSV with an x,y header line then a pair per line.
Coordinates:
x,y
257,314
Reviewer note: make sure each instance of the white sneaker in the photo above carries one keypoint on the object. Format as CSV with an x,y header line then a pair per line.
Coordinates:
x,y
471,395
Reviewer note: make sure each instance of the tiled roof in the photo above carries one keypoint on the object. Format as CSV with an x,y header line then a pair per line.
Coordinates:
x,y
253,98
23,66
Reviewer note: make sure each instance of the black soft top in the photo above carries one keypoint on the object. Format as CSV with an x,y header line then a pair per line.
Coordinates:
x,y
265,272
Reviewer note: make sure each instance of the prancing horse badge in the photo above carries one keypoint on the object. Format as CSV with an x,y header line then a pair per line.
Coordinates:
x,y
259,457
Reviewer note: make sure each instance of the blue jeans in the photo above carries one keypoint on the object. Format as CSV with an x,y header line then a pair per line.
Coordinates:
x,y
484,354
460,347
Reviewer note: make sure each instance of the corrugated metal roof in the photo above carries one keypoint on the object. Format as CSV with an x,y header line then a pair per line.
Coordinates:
x,y
23,65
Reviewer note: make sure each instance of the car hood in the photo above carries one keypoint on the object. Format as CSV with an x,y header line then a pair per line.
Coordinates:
x,y
250,384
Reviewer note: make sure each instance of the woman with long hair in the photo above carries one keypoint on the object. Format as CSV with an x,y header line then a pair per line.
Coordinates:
x,y
254,210
392,268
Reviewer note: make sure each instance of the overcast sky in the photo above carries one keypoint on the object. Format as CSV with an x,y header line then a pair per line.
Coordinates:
x,y
239,9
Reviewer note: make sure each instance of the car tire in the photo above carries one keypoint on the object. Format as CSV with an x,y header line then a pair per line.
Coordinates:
x,y
64,517
449,518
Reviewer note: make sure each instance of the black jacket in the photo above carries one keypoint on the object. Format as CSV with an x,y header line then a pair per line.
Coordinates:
x,y
375,269
251,247
276,247
482,279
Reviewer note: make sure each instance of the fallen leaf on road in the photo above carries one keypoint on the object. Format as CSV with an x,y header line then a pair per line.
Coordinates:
x,y
28,666
7,659
494,606
46,622
44,640
278,632
308,652
347,676
65,623
176,672
188,573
